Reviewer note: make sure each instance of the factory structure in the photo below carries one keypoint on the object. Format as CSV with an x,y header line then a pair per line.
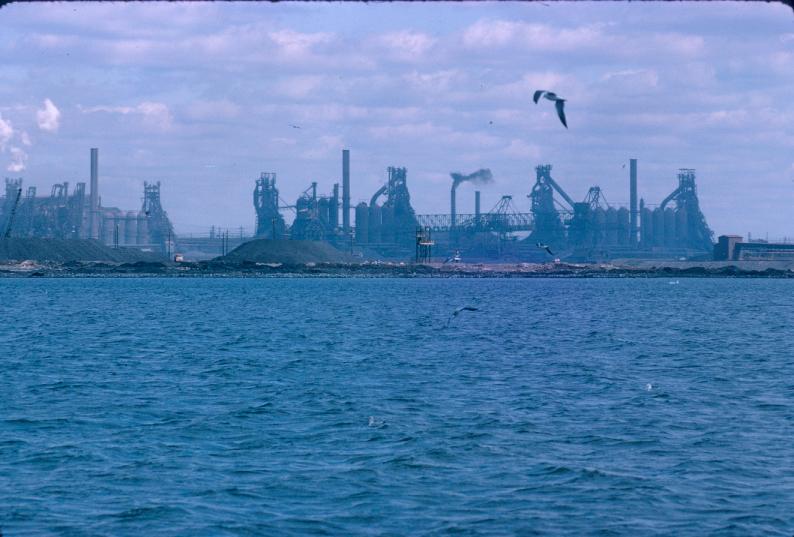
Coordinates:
x,y
81,215
387,226
587,230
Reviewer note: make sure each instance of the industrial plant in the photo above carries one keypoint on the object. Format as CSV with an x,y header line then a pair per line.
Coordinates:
x,y
587,230
557,226
81,215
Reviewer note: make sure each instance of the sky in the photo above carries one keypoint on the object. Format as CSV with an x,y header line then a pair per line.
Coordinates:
x,y
205,96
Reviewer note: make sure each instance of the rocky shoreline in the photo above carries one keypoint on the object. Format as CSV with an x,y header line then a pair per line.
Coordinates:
x,y
247,269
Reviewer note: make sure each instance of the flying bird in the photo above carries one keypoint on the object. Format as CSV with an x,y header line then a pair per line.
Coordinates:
x,y
459,310
559,103
295,126
545,247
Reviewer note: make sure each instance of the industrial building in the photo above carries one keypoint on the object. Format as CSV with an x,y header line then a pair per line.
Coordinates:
x,y
732,248
587,230
81,215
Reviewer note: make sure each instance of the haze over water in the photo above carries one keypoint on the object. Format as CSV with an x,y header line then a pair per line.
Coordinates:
x,y
343,406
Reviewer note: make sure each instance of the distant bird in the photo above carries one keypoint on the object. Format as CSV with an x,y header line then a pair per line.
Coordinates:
x,y
295,126
545,247
559,103
623,166
459,310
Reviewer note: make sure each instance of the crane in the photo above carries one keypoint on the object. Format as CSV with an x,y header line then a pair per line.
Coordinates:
x,y
10,223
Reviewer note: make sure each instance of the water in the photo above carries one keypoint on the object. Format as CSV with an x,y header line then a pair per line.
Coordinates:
x,y
345,407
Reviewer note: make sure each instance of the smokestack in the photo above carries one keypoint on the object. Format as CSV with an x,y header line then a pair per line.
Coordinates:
x,y
633,199
94,194
346,190
477,206
335,207
452,203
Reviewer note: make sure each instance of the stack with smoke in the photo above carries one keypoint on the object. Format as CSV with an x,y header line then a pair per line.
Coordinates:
x,y
481,176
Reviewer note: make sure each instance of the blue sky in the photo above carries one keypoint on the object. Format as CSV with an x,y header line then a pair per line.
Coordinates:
x,y
202,96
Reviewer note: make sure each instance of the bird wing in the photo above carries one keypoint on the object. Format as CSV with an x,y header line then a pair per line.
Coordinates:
x,y
537,95
560,111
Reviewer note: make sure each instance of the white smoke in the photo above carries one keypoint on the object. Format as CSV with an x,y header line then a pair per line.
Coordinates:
x,y
18,160
49,117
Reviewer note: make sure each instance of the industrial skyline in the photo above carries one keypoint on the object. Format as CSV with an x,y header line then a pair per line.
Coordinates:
x,y
205,97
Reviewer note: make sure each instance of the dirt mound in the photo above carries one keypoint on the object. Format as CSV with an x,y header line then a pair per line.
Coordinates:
x,y
62,250
288,252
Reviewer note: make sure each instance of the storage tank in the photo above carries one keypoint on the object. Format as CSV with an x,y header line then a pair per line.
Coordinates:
x,y
387,231
121,225
681,226
612,226
658,227
624,227
108,227
599,226
131,229
669,227
362,223
142,232
374,224
323,210
646,228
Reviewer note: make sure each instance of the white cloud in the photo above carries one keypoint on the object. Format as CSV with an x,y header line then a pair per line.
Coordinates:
x,y
49,117
521,149
18,160
6,132
497,33
25,138
407,45
325,146
154,114
297,46
646,78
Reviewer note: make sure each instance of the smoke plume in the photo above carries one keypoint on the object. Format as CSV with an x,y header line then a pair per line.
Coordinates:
x,y
481,176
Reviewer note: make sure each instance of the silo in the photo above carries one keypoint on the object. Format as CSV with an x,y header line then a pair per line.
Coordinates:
x,y
646,227
387,231
624,228
681,227
362,223
374,224
599,226
131,229
143,229
121,225
669,227
323,210
658,227
612,226
108,228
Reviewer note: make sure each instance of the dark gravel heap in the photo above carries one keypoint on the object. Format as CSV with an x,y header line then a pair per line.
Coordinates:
x,y
63,250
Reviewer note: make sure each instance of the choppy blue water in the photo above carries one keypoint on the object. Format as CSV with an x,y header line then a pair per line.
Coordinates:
x,y
345,407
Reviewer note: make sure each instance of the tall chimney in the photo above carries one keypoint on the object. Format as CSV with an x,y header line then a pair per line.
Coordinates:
x,y
452,204
335,207
477,207
346,190
94,195
633,199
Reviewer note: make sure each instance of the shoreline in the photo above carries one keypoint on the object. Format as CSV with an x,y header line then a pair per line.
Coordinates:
x,y
246,269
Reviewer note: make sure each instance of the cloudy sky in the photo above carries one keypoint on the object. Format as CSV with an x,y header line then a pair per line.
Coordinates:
x,y
203,97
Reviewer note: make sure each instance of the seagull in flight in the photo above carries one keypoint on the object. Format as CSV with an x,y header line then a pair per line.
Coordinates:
x,y
559,103
459,310
545,247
